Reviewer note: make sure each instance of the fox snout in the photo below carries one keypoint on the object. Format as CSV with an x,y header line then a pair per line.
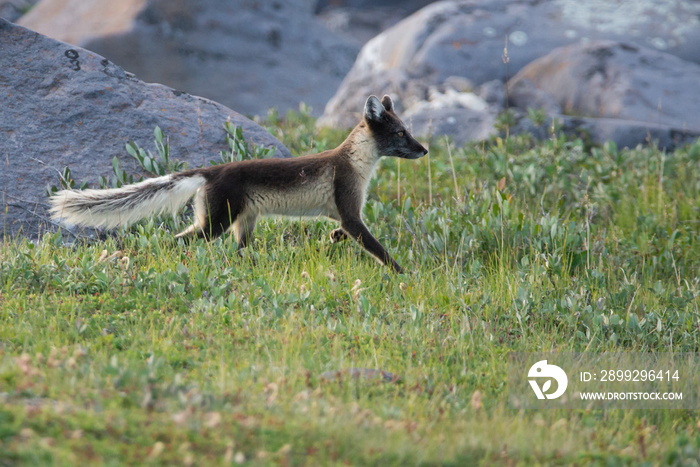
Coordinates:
x,y
418,150
408,147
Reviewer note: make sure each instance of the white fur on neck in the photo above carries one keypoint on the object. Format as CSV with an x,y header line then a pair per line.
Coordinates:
x,y
363,154
364,157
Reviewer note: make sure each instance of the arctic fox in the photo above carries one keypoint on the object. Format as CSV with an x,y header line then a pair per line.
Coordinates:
x,y
332,183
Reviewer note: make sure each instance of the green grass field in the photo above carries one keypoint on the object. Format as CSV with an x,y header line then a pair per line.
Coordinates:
x,y
146,350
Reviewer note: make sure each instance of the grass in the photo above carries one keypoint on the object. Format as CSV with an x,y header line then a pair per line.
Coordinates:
x,y
146,350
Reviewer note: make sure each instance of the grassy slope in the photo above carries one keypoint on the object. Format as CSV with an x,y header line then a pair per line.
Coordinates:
x,y
165,352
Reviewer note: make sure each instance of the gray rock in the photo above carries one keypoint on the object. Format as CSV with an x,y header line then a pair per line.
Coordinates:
x,y
249,55
361,20
616,91
525,94
452,108
460,124
625,133
13,9
66,106
628,133
462,115
466,39
343,114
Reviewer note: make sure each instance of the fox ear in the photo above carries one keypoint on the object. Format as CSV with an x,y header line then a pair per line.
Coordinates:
x,y
374,110
387,103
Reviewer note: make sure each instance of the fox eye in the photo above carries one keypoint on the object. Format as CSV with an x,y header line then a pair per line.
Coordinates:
x,y
400,134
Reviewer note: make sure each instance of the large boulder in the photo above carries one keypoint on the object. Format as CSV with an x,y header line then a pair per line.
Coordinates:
x,y
614,90
248,55
13,9
361,20
66,106
463,41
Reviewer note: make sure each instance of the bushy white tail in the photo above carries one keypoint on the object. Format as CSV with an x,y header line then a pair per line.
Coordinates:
x,y
123,206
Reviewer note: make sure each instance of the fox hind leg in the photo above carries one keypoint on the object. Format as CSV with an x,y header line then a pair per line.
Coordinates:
x,y
200,216
213,214
243,228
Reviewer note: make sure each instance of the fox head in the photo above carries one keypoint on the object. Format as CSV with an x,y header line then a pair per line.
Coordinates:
x,y
390,134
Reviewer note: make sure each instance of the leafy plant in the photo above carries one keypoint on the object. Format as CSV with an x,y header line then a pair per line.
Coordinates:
x,y
537,116
505,120
239,148
155,165
120,177
160,165
66,182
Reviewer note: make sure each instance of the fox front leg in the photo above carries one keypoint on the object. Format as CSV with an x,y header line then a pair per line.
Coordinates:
x,y
355,228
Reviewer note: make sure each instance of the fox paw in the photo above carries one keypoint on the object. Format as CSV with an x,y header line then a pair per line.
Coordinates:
x,y
338,235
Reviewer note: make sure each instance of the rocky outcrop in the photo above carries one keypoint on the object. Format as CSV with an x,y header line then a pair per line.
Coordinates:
x,y
66,106
11,10
361,20
614,90
249,55
450,55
